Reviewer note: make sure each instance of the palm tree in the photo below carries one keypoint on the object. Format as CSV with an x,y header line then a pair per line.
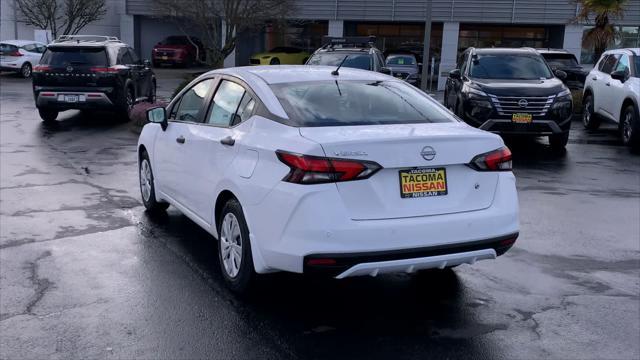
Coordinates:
x,y
603,32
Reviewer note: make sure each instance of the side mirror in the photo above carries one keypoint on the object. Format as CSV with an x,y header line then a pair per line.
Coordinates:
x,y
146,63
560,75
385,70
158,115
455,74
620,75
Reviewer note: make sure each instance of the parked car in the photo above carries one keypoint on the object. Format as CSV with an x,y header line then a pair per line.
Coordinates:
x,y
559,59
510,91
89,72
404,67
353,52
368,174
20,56
280,55
178,50
612,92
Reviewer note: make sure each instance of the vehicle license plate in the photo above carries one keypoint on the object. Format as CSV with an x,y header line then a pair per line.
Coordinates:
x,y
522,118
423,182
71,98
164,58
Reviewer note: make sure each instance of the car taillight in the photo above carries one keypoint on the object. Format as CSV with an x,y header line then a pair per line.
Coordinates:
x,y
496,160
14,53
41,68
107,70
307,169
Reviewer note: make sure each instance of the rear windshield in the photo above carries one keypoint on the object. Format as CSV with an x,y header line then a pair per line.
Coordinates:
x,y
57,56
358,61
401,60
7,48
561,60
342,103
175,40
509,67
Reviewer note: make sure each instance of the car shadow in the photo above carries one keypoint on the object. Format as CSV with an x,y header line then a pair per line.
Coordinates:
x,y
82,120
406,315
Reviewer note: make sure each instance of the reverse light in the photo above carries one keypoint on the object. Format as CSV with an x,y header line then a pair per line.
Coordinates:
x,y
496,160
307,169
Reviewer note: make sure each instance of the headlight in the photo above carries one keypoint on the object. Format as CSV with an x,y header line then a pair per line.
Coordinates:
x,y
564,95
473,92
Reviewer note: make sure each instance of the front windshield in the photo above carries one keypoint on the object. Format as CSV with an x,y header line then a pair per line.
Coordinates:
x,y
358,61
509,67
401,60
342,103
561,60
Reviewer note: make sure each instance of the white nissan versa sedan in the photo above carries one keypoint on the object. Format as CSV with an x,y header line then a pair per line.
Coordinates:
x,y
312,170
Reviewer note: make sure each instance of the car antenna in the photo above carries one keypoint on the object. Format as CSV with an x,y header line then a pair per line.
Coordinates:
x,y
335,72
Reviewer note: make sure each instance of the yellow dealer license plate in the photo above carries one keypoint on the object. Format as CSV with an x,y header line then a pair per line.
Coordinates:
x,y
423,182
521,118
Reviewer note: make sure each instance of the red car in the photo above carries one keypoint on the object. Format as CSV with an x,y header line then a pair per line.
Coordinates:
x,y
177,50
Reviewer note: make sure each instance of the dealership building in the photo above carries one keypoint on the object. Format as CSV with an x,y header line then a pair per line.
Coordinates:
x,y
456,25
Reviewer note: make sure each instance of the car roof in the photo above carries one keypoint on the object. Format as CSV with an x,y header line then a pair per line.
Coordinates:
x,y
504,51
20,42
300,73
628,51
553,51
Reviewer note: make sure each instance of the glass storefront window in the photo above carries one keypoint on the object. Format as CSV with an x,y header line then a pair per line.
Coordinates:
x,y
628,37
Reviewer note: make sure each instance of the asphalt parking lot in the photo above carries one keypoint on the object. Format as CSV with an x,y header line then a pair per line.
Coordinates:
x,y
86,273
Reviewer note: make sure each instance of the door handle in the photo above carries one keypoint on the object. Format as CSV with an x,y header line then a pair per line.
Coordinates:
x,y
180,139
608,84
229,141
594,78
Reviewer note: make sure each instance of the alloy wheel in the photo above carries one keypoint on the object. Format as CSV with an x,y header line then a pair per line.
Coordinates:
x,y
231,245
145,180
627,127
26,70
586,115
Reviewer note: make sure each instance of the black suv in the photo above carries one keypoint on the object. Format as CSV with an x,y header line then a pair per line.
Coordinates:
x,y
510,91
560,59
360,53
90,73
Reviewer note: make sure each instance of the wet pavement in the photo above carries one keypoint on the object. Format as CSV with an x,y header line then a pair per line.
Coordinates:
x,y
86,273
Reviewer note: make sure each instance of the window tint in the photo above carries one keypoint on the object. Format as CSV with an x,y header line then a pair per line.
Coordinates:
x,y
59,56
40,48
358,61
6,49
463,65
134,57
30,47
561,60
192,101
341,103
509,66
636,62
124,58
225,104
608,63
623,64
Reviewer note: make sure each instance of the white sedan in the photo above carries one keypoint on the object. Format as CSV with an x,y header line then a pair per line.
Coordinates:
x,y
20,56
309,170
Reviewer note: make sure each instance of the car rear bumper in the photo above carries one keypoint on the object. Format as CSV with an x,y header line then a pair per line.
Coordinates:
x,y
311,221
58,100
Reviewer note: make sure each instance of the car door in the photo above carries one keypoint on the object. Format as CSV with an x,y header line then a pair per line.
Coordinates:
x,y
215,144
174,147
615,94
600,81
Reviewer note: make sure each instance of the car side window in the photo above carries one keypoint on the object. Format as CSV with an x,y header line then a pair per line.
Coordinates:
x,y
124,58
191,102
609,63
245,110
380,59
463,65
225,104
134,57
40,48
30,47
623,64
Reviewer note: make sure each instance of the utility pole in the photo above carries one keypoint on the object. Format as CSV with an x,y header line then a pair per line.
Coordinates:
x,y
15,20
427,44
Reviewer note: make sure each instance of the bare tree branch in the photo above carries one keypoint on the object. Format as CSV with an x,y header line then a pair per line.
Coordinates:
x,y
62,17
205,17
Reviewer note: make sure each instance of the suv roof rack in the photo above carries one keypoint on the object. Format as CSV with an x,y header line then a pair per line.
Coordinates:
x,y
86,38
331,42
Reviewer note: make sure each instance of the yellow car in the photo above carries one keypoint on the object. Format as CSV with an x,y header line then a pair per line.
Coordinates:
x,y
280,55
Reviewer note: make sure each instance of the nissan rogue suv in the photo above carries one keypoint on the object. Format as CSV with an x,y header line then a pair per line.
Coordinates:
x,y
89,72
511,91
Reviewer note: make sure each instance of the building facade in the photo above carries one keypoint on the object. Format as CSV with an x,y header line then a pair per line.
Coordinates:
x,y
456,25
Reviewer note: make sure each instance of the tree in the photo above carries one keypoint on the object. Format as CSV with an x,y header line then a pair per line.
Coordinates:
x,y
62,17
207,17
603,32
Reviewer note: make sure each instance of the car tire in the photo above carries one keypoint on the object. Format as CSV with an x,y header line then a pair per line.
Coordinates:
x,y
274,61
126,104
48,115
559,142
590,119
26,70
147,186
234,246
630,127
